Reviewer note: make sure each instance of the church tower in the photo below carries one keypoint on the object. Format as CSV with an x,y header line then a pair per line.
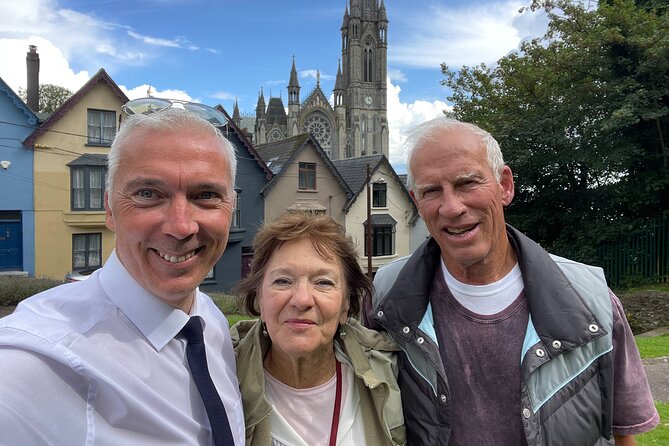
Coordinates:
x,y
364,69
357,123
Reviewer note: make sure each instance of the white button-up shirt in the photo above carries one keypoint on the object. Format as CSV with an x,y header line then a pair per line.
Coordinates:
x,y
100,362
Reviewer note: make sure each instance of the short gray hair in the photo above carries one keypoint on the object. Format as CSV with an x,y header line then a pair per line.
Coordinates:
x,y
430,131
170,119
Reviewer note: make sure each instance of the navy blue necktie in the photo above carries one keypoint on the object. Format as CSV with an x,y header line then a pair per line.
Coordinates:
x,y
197,360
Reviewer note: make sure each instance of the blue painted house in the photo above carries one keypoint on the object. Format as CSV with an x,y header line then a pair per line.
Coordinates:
x,y
252,175
17,219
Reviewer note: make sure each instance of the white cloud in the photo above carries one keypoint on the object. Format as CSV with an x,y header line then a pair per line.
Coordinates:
x,y
313,74
157,41
143,90
58,72
223,95
403,116
467,35
396,75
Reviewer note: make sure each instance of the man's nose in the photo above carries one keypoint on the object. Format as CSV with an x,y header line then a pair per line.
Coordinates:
x,y
451,204
180,220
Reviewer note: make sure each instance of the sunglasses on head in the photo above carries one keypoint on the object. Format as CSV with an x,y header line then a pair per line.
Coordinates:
x,y
154,105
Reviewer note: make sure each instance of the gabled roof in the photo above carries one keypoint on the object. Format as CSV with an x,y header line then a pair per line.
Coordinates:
x,y
100,76
354,171
31,118
281,154
316,99
232,127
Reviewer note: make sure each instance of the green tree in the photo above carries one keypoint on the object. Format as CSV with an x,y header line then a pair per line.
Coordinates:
x,y
50,97
582,115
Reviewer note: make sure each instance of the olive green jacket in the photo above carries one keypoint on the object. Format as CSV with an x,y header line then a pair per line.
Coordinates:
x,y
372,358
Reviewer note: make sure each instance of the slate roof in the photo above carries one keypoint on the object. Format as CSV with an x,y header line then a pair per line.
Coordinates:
x,y
100,76
89,159
276,113
232,127
279,155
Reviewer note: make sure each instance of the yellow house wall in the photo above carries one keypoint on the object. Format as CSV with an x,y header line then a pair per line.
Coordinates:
x,y
398,207
285,192
55,223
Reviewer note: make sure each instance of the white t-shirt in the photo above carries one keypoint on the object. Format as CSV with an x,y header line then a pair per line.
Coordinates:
x,y
486,299
303,417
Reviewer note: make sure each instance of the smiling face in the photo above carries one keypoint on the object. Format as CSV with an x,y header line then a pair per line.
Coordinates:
x,y
171,210
462,204
302,301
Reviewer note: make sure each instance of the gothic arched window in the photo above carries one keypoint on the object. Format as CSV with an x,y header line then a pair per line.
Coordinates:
x,y
368,61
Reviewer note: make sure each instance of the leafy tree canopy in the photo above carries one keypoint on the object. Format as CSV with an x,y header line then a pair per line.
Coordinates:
x,y
582,116
50,97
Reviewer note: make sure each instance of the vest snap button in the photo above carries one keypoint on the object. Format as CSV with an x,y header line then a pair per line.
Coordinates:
x,y
557,345
443,398
540,353
593,328
379,313
420,340
527,413
406,330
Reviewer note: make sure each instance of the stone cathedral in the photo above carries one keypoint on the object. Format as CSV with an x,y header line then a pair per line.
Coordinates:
x,y
356,124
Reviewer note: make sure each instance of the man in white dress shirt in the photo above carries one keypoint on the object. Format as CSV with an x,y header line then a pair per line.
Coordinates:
x,y
101,361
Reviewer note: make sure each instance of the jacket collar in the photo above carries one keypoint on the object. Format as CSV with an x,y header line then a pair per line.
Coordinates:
x,y
557,309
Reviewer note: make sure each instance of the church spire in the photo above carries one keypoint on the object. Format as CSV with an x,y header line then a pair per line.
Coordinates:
x,y
293,76
235,111
293,86
260,108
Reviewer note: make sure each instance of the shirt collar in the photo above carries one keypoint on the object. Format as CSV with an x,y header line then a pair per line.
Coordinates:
x,y
156,320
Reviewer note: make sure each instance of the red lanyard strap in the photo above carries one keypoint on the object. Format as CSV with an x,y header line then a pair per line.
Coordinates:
x,y
337,408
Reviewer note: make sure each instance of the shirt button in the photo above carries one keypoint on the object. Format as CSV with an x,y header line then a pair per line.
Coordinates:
x,y
593,328
379,313
406,330
443,398
420,340
540,353
557,345
527,413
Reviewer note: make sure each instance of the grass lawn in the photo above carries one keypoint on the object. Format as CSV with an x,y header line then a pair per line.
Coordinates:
x,y
653,347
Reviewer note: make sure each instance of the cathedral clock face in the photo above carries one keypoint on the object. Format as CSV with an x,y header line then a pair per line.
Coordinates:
x,y
368,100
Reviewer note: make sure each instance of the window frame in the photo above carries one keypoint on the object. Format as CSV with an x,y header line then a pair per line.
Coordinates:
x,y
306,177
100,140
379,195
383,240
86,189
88,250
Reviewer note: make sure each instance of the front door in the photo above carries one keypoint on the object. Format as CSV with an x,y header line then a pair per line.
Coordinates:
x,y
10,242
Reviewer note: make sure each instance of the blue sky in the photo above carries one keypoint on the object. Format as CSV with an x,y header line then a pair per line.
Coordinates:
x,y
215,51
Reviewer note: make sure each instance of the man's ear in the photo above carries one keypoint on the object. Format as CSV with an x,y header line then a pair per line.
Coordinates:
x,y
506,182
109,218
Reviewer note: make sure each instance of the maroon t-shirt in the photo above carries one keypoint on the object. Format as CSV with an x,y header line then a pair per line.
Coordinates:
x,y
482,358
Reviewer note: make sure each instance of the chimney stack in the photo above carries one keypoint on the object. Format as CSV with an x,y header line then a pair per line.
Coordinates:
x,y
32,89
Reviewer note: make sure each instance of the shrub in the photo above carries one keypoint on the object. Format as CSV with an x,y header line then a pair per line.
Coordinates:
x,y
14,289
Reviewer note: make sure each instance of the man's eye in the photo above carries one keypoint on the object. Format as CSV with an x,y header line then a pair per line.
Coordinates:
x,y
146,194
208,196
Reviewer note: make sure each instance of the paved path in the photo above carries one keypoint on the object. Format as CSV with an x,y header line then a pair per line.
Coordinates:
x,y
657,369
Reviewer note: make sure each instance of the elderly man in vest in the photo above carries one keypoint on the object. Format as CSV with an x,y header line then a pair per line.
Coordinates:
x,y
502,342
